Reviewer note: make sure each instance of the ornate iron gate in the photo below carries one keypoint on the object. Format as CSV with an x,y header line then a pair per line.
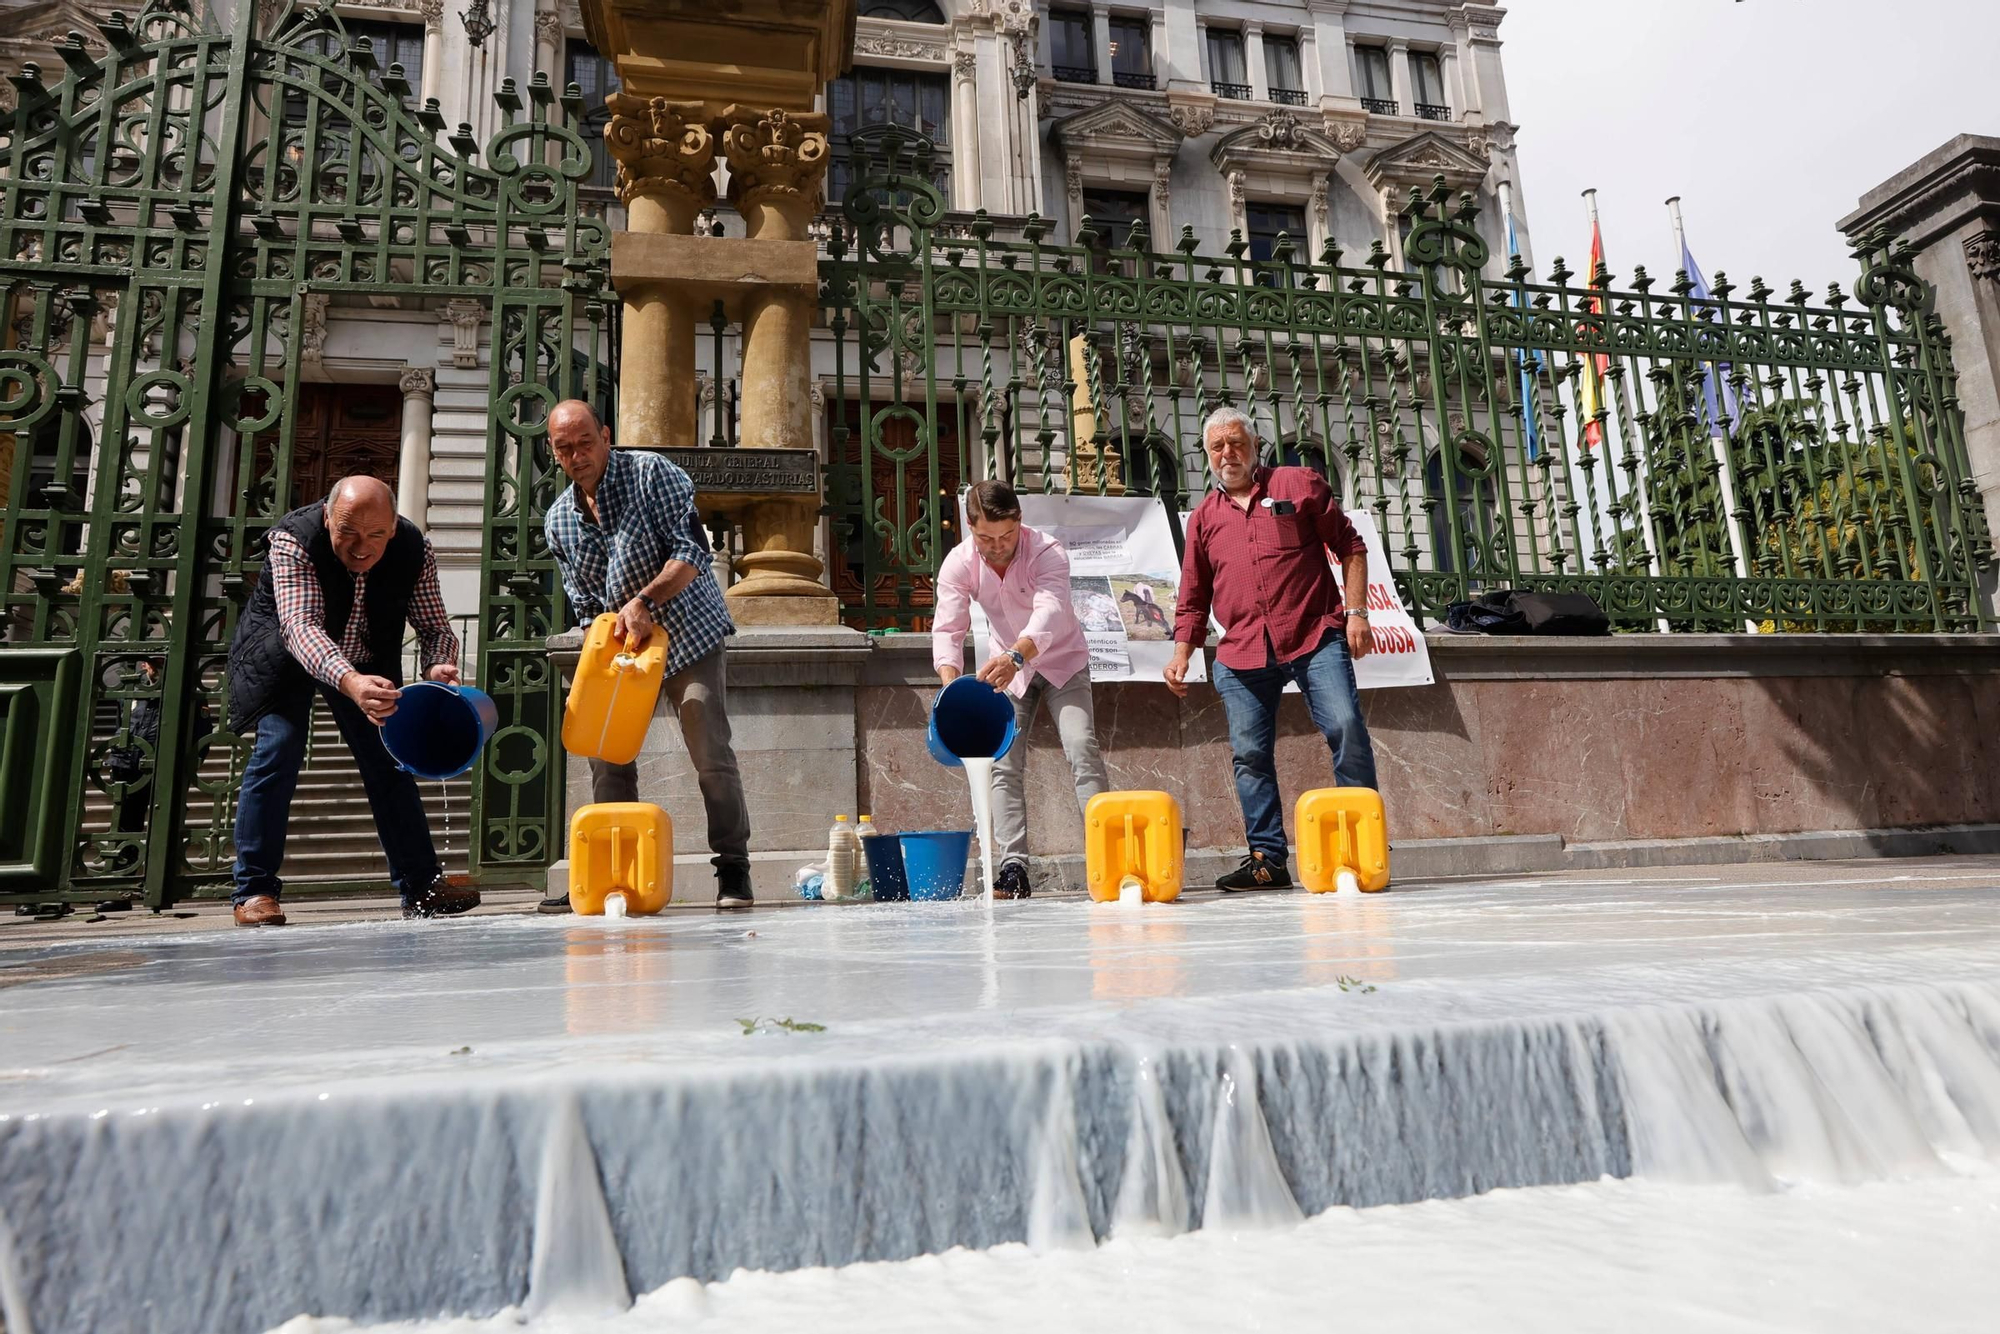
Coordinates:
x,y
174,219
1693,461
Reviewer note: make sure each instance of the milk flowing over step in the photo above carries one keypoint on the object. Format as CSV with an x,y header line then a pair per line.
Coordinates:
x,y
580,1190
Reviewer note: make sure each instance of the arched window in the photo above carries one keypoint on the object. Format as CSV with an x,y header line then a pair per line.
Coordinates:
x,y
909,11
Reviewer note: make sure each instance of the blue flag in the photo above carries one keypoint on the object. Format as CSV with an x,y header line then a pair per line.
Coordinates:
x,y
1526,365
1719,407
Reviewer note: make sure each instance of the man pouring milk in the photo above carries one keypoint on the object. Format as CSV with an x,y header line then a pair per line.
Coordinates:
x,y
1036,654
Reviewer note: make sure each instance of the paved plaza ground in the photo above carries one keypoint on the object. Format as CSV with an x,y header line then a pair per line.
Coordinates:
x,y
358,1117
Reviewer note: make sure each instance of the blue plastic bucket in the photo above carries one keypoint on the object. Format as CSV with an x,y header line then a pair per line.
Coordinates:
x,y
934,862
437,731
970,719
885,867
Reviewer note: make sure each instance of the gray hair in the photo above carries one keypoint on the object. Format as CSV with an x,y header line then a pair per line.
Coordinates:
x,y
1227,416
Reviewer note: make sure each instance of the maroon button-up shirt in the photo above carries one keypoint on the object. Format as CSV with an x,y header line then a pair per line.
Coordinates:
x,y
1265,574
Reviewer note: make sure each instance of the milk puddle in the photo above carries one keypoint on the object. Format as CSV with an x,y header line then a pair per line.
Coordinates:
x,y
1635,1256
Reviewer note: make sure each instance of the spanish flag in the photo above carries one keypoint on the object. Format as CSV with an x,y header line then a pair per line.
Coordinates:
x,y
1591,397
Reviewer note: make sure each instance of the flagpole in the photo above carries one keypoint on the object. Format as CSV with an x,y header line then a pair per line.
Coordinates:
x,y
1718,440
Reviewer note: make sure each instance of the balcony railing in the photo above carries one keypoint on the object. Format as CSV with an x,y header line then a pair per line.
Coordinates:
x,y
1127,79
1381,106
1236,92
1074,73
1289,97
1432,111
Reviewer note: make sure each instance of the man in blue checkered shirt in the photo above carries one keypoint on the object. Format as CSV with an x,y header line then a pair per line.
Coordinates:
x,y
628,541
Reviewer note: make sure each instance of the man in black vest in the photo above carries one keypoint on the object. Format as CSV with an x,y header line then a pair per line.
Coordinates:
x,y
340,579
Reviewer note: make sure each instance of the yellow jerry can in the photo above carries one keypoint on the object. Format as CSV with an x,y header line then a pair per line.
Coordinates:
x,y
1343,828
1136,834
622,849
611,701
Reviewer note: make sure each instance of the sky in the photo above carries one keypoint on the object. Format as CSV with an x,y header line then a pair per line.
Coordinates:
x,y
1770,118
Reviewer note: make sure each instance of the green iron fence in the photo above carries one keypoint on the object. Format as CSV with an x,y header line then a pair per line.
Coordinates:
x,y
1730,463
172,215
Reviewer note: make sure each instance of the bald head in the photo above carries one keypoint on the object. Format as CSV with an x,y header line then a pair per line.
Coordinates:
x,y
580,442
360,520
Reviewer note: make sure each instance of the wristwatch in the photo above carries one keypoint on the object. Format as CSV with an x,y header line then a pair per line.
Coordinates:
x,y
1019,661
652,608
1362,612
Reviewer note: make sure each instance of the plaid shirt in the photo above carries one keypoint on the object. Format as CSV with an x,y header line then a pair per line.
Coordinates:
x,y
646,517
302,615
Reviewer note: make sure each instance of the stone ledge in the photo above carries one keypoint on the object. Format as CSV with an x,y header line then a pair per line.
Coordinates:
x,y
1612,657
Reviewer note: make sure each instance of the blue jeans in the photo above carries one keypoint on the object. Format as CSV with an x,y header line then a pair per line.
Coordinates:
x,y
264,806
1250,699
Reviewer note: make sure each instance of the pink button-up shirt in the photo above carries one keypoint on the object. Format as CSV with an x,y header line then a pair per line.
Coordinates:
x,y
1030,600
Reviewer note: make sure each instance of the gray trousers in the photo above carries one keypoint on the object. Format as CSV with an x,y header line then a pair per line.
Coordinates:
x,y
1076,724
698,694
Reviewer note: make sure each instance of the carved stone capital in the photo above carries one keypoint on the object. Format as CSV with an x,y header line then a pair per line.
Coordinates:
x,y
418,382
964,66
464,317
1982,255
433,12
1192,119
1347,135
781,154
660,146
549,28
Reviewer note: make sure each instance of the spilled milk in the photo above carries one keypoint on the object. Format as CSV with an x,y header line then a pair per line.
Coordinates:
x,y
979,777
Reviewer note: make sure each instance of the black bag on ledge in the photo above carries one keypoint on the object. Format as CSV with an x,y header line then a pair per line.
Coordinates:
x,y
1512,612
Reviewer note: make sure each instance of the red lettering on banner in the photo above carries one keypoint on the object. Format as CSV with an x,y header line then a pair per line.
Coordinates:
x,y
1392,640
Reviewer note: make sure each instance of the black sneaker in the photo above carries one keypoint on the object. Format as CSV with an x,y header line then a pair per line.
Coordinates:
x,y
554,903
1256,872
1012,882
732,887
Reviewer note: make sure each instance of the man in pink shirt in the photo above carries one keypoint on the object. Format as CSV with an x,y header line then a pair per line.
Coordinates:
x,y
1037,654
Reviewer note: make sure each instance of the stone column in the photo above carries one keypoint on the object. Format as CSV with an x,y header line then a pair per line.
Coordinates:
x,y
1309,65
428,79
666,165
1454,96
1400,83
966,181
549,43
1253,62
1336,62
1100,41
413,463
777,162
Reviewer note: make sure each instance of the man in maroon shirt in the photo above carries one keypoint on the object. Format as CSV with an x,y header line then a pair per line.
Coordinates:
x,y
1256,554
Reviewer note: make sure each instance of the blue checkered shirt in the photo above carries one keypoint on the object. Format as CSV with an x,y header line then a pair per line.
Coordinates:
x,y
646,517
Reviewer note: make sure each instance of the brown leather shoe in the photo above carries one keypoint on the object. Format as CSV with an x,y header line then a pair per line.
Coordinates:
x,y
260,910
442,899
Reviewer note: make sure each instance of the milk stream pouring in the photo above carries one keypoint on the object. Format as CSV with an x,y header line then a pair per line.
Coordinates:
x,y
843,851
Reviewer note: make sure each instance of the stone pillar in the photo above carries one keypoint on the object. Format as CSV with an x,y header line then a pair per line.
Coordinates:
x,y
966,181
1336,62
1401,85
549,43
413,463
1100,41
1947,206
1454,96
428,79
1179,56
777,162
1253,62
666,165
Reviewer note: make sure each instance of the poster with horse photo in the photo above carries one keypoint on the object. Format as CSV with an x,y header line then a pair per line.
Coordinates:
x,y
1124,580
